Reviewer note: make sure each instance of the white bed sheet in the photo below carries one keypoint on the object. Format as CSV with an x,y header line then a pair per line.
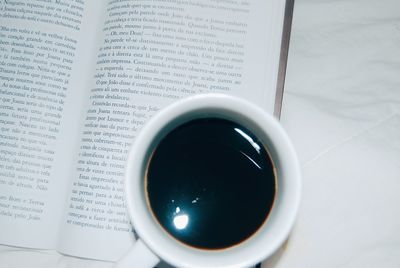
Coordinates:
x,y
342,111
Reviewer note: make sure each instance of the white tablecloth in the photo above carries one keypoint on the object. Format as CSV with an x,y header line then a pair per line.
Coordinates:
x,y
342,111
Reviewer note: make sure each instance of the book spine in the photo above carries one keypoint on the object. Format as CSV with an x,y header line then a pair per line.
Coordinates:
x,y
287,26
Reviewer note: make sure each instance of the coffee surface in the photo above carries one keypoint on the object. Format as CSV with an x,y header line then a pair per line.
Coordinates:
x,y
210,183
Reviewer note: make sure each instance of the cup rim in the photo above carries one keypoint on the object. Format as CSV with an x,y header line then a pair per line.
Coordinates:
x,y
257,247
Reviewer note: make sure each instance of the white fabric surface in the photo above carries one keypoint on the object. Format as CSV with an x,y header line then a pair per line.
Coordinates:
x,y
342,111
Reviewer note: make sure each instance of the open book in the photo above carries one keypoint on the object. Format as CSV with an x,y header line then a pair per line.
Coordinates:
x,y
78,79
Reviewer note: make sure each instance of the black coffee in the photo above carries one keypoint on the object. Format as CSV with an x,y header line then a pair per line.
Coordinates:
x,y
210,183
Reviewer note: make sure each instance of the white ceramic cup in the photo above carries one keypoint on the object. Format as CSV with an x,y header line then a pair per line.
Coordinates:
x,y
154,244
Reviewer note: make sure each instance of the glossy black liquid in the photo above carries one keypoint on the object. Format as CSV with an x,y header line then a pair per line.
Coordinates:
x,y
210,183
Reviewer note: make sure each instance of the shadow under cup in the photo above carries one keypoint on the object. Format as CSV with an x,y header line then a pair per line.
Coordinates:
x,y
188,189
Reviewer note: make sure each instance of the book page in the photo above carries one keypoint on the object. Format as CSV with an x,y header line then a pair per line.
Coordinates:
x,y
152,54
43,56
